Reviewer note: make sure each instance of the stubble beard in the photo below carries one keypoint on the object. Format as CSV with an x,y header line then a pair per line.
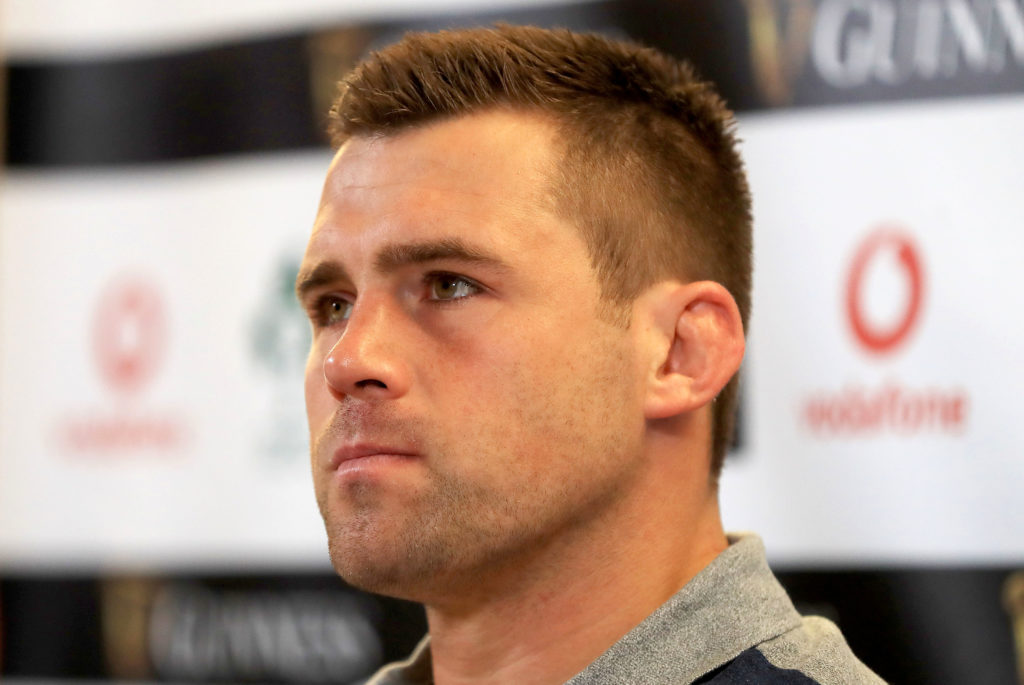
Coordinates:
x,y
453,539
410,545
412,551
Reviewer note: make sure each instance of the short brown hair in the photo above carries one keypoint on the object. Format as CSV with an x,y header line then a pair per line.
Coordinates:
x,y
650,170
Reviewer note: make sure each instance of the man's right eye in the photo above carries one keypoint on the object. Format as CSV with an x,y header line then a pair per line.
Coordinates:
x,y
331,310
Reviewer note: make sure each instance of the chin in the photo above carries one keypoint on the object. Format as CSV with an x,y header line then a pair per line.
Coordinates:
x,y
390,571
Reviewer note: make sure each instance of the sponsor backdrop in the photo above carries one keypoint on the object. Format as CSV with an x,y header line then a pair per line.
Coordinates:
x,y
162,167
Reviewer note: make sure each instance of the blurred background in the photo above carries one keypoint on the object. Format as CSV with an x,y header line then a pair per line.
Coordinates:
x,y
162,165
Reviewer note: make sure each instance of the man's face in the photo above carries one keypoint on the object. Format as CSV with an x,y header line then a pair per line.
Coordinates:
x,y
469,406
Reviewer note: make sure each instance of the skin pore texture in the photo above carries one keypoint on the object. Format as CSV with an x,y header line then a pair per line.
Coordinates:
x,y
485,439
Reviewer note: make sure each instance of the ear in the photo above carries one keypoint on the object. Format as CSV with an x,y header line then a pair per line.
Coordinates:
x,y
699,346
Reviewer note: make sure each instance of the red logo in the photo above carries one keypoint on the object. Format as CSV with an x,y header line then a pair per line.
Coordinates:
x,y
884,339
128,333
893,408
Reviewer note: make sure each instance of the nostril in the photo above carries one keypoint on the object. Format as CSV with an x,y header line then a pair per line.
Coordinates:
x,y
371,382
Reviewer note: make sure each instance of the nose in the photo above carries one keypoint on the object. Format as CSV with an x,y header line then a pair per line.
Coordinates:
x,y
366,361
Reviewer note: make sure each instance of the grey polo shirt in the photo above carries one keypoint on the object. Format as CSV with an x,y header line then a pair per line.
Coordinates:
x,y
732,623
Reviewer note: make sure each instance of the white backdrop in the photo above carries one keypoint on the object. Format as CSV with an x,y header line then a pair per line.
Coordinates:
x,y
187,448
916,456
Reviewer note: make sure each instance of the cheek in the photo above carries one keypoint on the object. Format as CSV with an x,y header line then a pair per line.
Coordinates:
x,y
488,375
530,404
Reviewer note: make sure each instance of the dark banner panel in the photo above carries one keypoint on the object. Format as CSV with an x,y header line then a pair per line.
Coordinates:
x,y
794,53
240,98
266,628
907,624
259,95
271,93
923,625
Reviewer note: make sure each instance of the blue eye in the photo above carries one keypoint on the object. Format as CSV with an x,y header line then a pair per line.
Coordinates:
x,y
447,287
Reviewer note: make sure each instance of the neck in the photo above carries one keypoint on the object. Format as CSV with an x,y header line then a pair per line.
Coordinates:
x,y
547,619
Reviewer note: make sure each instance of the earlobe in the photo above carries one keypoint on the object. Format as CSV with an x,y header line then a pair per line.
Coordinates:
x,y
704,351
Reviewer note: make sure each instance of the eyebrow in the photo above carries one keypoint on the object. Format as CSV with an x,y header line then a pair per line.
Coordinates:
x,y
396,255
321,275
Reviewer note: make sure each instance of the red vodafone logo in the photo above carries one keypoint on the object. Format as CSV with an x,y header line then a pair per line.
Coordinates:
x,y
885,291
129,338
875,337
128,333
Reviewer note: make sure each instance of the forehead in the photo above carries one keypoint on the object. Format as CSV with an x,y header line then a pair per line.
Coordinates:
x,y
490,173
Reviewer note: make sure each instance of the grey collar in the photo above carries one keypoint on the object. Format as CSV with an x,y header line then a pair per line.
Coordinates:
x,y
734,603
